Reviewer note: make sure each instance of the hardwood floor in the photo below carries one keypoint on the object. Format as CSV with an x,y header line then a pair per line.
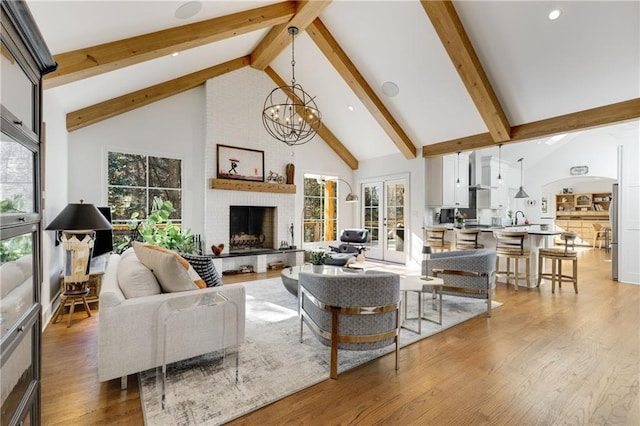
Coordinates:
x,y
542,358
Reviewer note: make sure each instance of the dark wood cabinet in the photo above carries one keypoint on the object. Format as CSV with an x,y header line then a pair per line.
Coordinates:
x,y
25,59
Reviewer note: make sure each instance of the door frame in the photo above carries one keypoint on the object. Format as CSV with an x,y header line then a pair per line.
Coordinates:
x,y
382,253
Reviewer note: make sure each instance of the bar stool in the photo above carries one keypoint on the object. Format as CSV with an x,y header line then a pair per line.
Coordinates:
x,y
511,246
434,237
557,255
467,239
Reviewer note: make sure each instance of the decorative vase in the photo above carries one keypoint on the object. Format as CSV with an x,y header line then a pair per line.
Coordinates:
x,y
289,171
317,269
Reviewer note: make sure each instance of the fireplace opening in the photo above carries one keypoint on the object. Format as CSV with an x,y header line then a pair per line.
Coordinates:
x,y
251,228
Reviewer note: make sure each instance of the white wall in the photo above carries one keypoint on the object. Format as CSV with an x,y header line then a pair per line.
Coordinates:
x,y
595,149
55,199
173,127
234,104
395,165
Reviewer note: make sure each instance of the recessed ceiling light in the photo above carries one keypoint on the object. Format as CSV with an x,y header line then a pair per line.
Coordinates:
x,y
174,54
554,14
390,89
188,10
350,108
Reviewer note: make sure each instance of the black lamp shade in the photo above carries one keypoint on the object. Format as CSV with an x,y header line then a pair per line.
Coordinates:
x,y
76,217
426,249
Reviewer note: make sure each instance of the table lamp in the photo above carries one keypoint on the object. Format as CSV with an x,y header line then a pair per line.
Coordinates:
x,y
426,251
77,224
426,255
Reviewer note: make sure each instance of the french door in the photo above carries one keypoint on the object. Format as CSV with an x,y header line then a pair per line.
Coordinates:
x,y
383,214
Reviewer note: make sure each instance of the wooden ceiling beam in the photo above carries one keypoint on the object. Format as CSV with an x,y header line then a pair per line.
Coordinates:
x,y
343,65
454,38
116,106
95,60
324,132
581,120
278,38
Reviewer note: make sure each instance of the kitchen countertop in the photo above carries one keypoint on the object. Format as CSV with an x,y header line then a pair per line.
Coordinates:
x,y
532,229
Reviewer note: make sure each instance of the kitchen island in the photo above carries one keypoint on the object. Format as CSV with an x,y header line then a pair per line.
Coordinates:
x,y
538,238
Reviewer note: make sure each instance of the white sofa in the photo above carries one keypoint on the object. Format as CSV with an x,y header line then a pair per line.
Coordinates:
x,y
128,339
16,298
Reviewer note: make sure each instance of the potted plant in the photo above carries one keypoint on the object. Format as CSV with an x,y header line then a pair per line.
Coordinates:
x,y
460,217
317,258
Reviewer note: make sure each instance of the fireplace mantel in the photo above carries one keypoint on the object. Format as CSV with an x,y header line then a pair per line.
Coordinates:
x,y
245,185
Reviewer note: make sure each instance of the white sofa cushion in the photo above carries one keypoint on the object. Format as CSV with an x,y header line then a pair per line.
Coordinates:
x,y
11,276
173,272
135,279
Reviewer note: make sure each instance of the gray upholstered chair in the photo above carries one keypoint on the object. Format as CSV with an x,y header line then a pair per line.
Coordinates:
x,y
351,311
468,273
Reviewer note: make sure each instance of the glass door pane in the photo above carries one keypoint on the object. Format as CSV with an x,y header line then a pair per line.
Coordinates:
x,y
16,280
371,198
395,220
17,178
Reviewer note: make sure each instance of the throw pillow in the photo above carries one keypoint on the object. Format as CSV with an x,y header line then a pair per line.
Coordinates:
x,y
173,272
205,268
135,279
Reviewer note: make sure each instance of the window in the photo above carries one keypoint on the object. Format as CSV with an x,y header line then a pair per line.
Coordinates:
x,y
320,209
134,180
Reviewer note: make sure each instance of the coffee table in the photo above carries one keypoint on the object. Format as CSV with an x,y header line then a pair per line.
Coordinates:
x,y
420,284
289,275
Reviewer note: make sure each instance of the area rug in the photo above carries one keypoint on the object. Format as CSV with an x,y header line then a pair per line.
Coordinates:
x,y
273,362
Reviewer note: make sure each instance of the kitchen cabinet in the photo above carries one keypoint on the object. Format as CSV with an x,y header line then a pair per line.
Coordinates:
x,y
495,197
442,176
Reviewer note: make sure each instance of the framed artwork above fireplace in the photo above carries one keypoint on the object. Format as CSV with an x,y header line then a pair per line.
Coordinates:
x,y
239,163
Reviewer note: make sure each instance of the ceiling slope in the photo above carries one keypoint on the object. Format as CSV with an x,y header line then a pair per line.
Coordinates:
x,y
595,117
91,61
341,62
447,24
113,107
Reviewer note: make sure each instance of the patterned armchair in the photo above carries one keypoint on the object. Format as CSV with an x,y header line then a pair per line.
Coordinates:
x,y
468,273
351,311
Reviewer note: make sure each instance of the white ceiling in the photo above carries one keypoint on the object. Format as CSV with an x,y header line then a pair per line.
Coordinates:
x,y
538,68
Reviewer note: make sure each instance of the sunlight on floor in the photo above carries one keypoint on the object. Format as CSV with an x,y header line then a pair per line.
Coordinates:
x,y
268,312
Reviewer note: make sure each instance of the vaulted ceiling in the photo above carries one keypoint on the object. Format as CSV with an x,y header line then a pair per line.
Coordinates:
x,y
470,74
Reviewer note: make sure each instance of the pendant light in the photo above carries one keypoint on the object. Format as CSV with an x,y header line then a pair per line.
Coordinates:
x,y
521,193
458,181
290,114
499,164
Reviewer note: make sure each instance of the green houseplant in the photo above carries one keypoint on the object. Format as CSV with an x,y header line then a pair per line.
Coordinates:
x,y
317,258
159,230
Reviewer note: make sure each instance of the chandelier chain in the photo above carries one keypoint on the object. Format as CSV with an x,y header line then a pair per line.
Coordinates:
x,y
293,61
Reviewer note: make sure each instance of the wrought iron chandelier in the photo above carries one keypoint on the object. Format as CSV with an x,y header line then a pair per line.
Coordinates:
x,y
290,114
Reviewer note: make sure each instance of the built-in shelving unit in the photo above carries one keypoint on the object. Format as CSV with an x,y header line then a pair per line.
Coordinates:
x,y
580,212
245,185
583,204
